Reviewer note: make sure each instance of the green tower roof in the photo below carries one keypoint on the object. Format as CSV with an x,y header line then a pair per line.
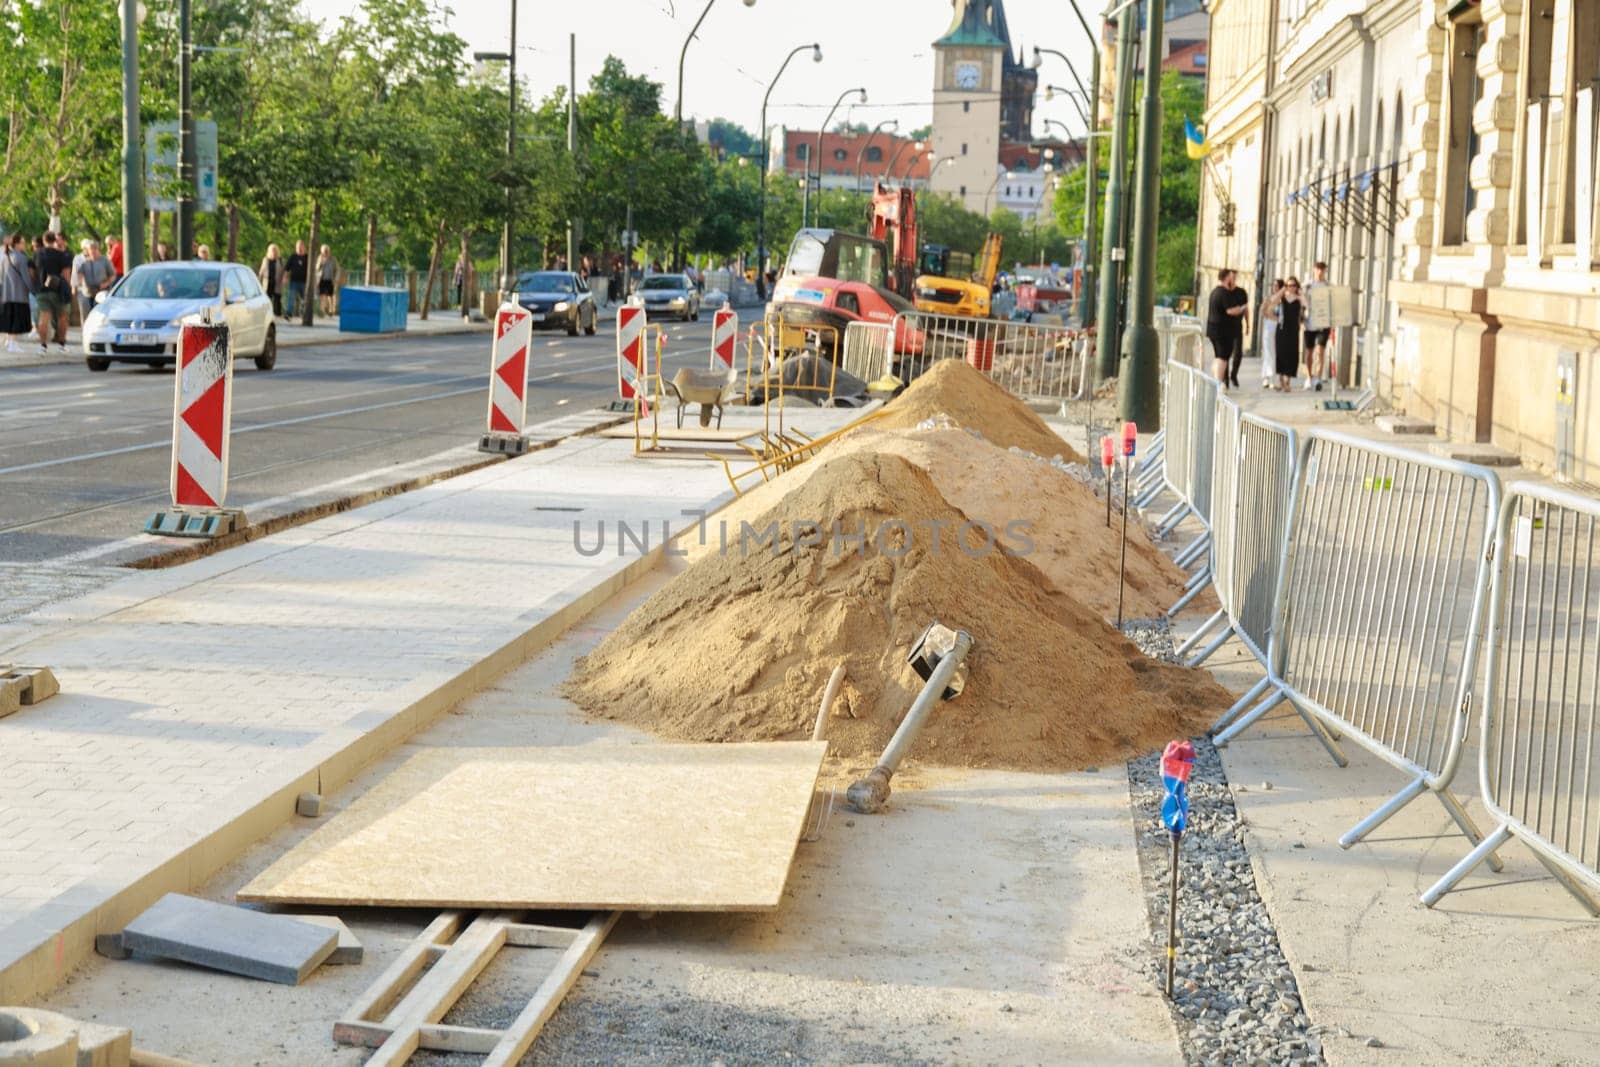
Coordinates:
x,y
978,22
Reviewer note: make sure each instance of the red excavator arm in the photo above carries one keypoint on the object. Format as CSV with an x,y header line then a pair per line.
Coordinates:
x,y
894,222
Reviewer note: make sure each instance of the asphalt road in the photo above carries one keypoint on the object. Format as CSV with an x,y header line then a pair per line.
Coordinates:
x,y
84,457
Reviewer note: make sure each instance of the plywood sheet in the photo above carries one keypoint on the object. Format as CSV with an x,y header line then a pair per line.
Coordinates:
x,y
605,827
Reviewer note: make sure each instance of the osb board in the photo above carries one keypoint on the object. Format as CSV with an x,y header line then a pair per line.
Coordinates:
x,y
602,827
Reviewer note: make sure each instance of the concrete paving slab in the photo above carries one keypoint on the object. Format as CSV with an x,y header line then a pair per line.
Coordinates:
x,y
251,944
1485,455
1403,424
347,951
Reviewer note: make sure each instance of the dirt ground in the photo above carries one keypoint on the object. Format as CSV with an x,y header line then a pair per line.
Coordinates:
x,y
987,917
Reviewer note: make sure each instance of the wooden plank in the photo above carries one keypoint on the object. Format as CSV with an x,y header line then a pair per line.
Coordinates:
x,y
688,433
438,990
524,935
356,1027
602,827
475,1039
521,1034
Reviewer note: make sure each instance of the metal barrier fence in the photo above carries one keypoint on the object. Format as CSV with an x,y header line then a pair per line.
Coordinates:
x,y
1031,361
1539,767
1177,463
1379,609
866,350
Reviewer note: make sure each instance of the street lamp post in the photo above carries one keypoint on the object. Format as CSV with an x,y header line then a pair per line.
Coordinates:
x,y
1092,175
186,152
892,123
508,278
1050,92
806,198
1113,255
917,149
761,223
1139,386
132,157
987,210
677,108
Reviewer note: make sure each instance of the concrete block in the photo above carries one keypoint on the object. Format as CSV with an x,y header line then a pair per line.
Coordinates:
x,y
111,947
33,1038
308,805
1403,424
10,696
1484,455
349,950
223,938
41,684
103,1046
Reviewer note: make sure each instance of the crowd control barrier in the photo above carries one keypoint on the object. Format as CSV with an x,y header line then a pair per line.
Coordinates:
x,y
1034,362
1252,478
867,350
1379,610
1539,763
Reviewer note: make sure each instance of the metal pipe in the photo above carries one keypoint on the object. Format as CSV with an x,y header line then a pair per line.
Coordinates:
x,y
829,695
871,793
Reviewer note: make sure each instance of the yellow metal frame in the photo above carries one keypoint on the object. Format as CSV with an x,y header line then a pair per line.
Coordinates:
x,y
771,464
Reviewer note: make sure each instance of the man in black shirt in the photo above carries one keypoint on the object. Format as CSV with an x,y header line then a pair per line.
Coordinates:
x,y
1225,318
297,269
52,267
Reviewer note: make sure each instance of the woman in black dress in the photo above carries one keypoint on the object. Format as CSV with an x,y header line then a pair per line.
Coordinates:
x,y
1288,310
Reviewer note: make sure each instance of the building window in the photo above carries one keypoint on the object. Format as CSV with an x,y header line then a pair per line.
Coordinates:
x,y
1538,15
1585,44
963,190
802,151
966,106
1008,190
1461,140
963,148
840,154
874,154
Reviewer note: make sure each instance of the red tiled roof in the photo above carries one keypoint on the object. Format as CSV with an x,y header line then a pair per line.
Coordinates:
x,y
909,162
1190,59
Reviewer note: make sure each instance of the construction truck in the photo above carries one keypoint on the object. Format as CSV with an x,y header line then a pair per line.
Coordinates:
x,y
942,295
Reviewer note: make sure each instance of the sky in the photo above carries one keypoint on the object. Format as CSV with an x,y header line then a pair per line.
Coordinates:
x,y
883,46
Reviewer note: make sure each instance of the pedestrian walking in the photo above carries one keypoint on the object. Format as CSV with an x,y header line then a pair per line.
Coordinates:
x,y
458,281
1316,331
327,278
16,287
52,266
1225,318
271,275
1269,337
114,256
1287,309
297,270
91,275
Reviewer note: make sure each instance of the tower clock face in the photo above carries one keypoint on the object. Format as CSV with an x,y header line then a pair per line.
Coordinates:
x,y
967,75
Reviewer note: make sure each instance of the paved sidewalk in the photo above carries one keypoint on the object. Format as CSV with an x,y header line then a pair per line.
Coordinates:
x,y
197,701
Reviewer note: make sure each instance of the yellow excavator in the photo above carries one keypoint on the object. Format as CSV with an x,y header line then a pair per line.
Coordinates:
x,y
943,295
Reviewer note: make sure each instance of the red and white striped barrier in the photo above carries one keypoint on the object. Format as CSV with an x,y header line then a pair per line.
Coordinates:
x,y
202,413
724,332
508,381
633,364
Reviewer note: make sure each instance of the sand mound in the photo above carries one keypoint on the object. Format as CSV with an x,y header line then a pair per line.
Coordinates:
x,y
952,387
1071,546
738,647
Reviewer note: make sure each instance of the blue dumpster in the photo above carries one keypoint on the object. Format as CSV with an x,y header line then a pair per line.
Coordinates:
x,y
372,309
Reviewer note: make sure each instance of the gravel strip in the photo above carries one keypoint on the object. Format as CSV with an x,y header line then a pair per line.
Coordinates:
x,y
1235,999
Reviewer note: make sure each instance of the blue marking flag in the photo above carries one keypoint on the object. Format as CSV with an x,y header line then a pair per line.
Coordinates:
x,y
1176,763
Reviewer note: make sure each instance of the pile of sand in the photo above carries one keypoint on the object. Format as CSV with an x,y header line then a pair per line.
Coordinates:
x,y
739,645
1071,544
952,387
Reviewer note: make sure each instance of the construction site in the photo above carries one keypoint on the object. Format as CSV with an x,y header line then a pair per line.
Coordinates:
x,y
842,721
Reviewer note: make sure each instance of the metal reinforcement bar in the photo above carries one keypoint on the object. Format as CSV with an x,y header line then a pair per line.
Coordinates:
x,y
1539,759
1378,615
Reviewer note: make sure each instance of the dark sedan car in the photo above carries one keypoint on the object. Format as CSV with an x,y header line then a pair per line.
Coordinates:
x,y
558,298
668,294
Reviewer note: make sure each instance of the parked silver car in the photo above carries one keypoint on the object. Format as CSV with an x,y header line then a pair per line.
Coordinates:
x,y
668,294
137,320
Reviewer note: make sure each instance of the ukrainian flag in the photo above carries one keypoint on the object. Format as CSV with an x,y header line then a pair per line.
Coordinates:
x,y
1194,140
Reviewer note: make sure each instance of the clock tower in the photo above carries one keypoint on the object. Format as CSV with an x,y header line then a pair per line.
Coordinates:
x,y
981,96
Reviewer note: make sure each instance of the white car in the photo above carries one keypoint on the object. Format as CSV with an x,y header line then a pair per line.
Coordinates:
x,y
137,320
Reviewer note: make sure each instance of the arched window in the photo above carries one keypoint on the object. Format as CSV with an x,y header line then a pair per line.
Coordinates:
x,y
874,154
840,154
